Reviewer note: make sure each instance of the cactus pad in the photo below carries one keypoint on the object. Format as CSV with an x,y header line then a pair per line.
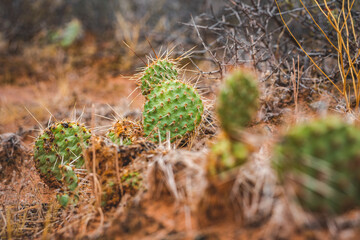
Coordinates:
x,y
320,160
60,144
159,71
70,179
67,198
173,107
237,101
226,155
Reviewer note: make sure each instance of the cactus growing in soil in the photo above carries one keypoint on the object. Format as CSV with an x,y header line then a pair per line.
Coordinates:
x,y
237,101
321,159
60,145
226,155
124,132
157,72
173,107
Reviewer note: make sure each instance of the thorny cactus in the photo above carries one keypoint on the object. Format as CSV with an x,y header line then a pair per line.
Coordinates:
x,y
320,160
157,72
60,144
173,107
237,102
124,132
226,155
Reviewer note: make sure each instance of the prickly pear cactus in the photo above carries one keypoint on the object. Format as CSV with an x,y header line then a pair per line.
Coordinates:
x,y
159,71
226,155
60,144
124,132
237,101
320,160
173,107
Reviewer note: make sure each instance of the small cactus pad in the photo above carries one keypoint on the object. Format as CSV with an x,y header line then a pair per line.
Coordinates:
x,y
237,101
124,132
65,199
60,144
159,71
226,155
321,161
70,179
173,107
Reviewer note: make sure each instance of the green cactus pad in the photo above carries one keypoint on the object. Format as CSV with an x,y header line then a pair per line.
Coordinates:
x,y
173,107
237,102
60,144
226,155
70,179
159,71
320,160
65,199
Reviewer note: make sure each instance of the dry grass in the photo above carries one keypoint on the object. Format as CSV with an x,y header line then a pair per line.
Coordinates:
x,y
342,23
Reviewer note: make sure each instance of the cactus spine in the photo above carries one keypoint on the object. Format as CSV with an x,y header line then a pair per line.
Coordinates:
x,y
321,158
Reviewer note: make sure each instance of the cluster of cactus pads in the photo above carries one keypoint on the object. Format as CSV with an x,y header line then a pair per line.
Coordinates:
x,y
173,108
58,153
320,161
236,107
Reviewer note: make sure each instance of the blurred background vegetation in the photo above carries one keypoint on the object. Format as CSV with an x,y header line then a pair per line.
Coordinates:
x,y
41,30
77,48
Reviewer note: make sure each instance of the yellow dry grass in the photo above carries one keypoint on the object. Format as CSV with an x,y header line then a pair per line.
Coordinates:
x,y
342,22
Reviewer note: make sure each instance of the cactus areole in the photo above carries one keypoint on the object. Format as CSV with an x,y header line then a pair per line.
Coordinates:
x,y
59,147
174,108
